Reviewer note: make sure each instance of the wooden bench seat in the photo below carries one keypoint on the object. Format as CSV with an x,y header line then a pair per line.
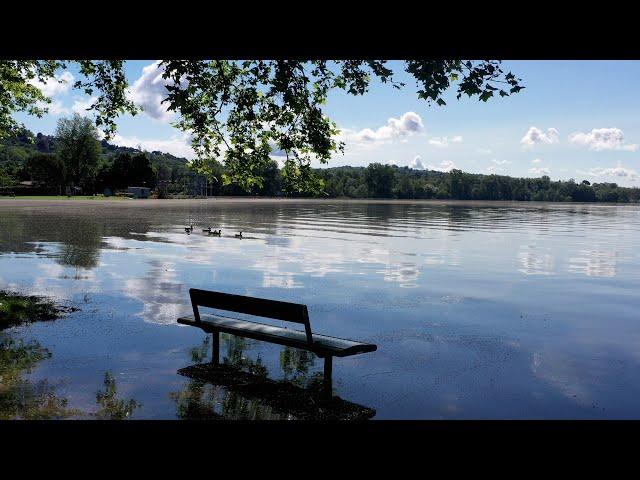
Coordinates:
x,y
323,346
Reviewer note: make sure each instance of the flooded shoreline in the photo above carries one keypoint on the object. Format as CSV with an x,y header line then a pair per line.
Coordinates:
x,y
483,310
157,203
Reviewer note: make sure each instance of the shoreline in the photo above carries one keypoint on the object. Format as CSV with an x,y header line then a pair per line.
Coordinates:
x,y
156,203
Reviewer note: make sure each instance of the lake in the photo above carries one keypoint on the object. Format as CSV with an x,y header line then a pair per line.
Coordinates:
x,y
480,310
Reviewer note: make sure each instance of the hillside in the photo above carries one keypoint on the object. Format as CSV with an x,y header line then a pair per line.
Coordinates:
x,y
26,144
122,166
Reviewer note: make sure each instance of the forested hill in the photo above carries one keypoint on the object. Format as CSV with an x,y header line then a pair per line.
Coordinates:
x,y
24,145
36,158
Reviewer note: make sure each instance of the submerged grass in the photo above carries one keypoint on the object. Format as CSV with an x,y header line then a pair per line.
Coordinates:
x,y
16,309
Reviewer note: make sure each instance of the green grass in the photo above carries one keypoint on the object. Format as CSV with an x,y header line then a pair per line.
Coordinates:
x,y
64,197
16,309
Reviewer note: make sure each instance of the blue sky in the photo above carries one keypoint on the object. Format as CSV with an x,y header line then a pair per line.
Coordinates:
x,y
574,119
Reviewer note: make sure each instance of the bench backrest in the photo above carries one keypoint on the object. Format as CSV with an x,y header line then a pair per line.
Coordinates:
x,y
290,312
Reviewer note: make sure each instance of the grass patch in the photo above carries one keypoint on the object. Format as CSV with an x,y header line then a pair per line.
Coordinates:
x,y
16,309
64,197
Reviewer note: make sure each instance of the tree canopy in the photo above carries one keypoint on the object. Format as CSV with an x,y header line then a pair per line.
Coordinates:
x,y
78,148
240,112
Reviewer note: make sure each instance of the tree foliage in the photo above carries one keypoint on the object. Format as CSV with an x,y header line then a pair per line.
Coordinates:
x,y
78,148
241,112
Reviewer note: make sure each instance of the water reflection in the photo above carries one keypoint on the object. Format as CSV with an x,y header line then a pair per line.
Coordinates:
x,y
20,397
159,291
535,261
594,263
240,389
24,398
558,281
110,406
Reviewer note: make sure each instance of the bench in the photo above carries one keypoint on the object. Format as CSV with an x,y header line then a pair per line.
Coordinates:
x,y
323,346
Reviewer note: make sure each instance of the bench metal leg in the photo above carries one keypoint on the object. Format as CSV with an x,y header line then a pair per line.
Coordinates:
x,y
328,368
215,348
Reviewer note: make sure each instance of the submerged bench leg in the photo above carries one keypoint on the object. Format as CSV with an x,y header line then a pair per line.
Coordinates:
x,y
215,348
328,367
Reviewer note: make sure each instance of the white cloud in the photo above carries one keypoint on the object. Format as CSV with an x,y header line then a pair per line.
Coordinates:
x,y
417,163
602,139
55,107
444,142
178,145
539,171
618,171
536,161
484,151
501,162
149,90
55,85
408,124
80,106
445,166
534,136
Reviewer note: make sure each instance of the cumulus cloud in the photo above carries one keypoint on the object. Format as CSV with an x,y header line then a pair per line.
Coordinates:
x,y
55,85
149,90
484,151
535,136
417,163
408,124
539,171
602,139
445,166
501,162
80,106
444,142
536,161
55,107
178,145
618,171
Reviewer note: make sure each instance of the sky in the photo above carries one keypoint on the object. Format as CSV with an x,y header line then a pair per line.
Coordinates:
x,y
574,119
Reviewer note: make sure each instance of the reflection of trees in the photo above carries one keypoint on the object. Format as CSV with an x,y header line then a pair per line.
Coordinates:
x,y
239,388
235,355
21,398
81,240
111,407
79,232
295,364
79,237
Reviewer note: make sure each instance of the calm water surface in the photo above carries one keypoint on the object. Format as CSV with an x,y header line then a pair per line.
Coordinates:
x,y
493,310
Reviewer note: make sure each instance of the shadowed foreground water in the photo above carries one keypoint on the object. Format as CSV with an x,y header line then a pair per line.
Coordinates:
x,y
488,310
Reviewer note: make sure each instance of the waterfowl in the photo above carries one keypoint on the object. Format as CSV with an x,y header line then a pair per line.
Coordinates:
x,y
208,230
216,233
188,229
238,235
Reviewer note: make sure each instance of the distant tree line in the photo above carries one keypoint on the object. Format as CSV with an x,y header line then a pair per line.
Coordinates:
x,y
390,181
75,157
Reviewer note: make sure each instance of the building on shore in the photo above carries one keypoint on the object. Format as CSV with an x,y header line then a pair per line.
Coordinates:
x,y
139,192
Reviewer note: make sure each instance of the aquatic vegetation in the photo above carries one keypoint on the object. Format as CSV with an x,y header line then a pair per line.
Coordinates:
x,y
16,309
